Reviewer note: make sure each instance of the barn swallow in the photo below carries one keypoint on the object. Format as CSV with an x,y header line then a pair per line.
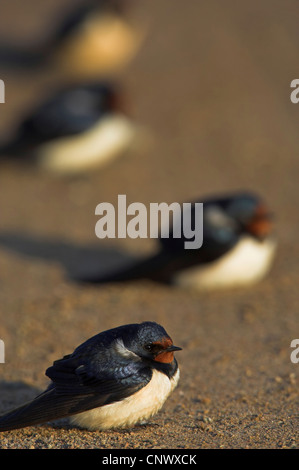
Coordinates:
x,y
238,248
116,379
77,128
93,39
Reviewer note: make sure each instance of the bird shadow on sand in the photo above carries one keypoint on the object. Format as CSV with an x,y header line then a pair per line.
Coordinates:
x,y
76,260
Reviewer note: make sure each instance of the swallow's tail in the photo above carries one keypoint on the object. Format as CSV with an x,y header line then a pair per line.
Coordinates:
x,y
17,58
10,149
157,268
40,410
18,148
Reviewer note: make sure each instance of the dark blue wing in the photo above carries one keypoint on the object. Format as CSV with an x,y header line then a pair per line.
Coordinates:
x,y
79,384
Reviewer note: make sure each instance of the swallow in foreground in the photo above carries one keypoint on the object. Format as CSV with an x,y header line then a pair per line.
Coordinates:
x,y
238,248
116,379
78,128
93,39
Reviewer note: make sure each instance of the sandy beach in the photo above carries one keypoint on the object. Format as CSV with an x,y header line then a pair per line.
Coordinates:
x,y
210,90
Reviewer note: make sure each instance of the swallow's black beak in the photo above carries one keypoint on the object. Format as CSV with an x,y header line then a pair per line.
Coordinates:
x,y
166,355
173,348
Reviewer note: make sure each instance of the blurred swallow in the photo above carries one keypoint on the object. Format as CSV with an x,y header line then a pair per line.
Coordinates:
x,y
238,248
118,378
78,128
93,39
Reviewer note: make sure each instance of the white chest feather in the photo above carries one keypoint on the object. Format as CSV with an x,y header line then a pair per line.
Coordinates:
x,y
248,262
132,410
94,147
102,45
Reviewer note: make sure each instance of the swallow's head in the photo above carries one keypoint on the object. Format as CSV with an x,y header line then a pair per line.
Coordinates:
x,y
251,214
93,99
151,342
230,216
74,110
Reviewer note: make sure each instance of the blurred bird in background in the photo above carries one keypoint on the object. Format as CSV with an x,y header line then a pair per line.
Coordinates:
x,y
94,39
238,248
75,129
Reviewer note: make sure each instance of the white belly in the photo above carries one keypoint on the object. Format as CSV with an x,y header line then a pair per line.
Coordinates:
x,y
94,147
246,263
103,45
132,410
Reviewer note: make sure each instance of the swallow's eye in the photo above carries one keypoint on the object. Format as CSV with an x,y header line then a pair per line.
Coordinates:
x,y
149,347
